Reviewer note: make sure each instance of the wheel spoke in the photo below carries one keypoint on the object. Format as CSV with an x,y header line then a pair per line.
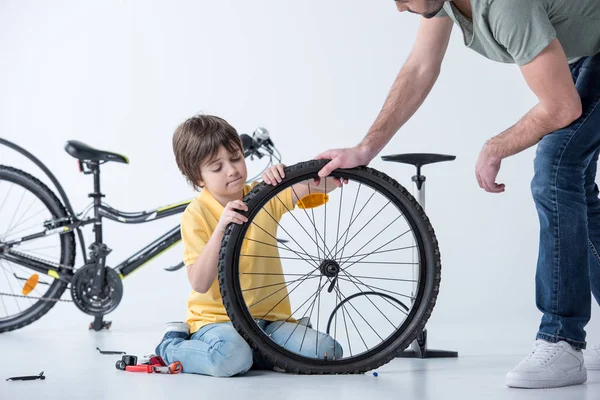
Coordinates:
x,y
4,202
279,302
376,252
302,226
277,284
15,213
368,222
344,316
298,309
380,247
310,315
313,222
314,265
382,289
378,309
279,258
339,293
280,248
363,318
11,289
370,287
351,220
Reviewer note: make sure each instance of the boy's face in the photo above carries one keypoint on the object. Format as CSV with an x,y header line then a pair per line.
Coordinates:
x,y
225,175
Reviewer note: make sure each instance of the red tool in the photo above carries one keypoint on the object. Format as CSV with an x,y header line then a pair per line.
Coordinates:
x,y
174,368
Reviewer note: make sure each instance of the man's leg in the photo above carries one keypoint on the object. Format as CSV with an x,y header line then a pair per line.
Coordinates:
x,y
563,270
561,191
593,212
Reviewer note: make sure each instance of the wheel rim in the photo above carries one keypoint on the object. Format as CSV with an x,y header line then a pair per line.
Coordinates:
x,y
23,212
336,274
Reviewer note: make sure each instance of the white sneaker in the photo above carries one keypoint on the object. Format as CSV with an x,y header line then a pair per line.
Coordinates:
x,y
177,326
549,365
592,358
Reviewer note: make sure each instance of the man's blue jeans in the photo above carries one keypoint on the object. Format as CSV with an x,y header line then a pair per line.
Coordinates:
x,y
566,198
219,350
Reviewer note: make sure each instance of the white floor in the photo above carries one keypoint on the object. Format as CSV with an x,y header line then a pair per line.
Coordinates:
x,y
75,370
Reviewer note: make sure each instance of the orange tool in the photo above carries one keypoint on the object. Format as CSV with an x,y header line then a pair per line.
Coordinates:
x,y
174,368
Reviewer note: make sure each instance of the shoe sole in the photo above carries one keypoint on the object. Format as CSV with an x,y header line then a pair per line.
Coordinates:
x,y
574,379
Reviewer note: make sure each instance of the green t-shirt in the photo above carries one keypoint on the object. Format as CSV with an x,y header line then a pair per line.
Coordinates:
x,y
516,31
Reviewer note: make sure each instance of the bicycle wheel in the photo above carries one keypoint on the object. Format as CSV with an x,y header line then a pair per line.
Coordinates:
x,y
374,239
25,205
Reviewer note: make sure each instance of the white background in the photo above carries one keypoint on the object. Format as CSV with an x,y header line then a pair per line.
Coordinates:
x,y
121,75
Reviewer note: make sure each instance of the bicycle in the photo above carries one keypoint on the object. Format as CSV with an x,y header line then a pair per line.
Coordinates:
x,y
398,301
95,288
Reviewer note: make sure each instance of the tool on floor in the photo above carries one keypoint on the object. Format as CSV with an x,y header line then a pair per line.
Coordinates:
x,y
126,360
27,378
152,359
174,368
109,351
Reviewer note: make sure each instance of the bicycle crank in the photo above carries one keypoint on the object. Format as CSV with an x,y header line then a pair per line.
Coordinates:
x,y
96,304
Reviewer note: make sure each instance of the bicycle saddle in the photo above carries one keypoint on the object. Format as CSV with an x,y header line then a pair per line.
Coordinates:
x,y
418,159
83,152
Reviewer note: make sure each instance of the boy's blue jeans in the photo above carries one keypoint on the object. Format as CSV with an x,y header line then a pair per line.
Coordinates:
x,y
566,198
219,350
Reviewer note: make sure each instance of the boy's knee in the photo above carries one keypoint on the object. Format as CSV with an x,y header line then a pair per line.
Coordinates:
x,y
331,348
163,346
230,357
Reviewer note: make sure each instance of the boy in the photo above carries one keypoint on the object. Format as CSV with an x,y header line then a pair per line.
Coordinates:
x,y
209,153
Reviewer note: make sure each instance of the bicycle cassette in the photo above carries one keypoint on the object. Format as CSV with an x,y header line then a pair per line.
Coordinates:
x,y
104,302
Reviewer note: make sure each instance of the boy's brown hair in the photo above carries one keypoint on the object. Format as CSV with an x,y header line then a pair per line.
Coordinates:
x,y
198,139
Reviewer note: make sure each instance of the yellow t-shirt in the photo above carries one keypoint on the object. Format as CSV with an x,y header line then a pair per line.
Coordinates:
x,y
199,221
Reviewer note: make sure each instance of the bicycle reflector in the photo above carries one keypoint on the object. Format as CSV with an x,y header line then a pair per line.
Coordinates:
x,y
30,284
313,200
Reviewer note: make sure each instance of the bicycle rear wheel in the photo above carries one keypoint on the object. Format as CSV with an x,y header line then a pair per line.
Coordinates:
x,y
25,205
364,264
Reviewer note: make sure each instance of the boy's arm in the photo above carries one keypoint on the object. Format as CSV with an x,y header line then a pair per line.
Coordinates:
x,y
203,272
303,189
275,174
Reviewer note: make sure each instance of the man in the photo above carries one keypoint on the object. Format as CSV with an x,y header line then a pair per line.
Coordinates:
x,y
556,44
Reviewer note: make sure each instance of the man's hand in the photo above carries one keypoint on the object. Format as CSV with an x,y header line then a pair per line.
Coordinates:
x,y
486,171
343,158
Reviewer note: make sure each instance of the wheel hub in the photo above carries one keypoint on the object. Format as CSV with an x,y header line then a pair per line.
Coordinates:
x,y
329,268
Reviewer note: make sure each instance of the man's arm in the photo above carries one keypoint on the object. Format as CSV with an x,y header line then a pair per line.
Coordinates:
x,y
549,77
411,87
413,83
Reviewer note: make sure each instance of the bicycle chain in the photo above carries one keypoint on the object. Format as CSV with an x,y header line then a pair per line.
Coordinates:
x,y
25,255
50,299
36,297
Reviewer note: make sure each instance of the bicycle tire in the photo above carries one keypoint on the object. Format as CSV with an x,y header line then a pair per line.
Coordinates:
x,y
67,248
231,293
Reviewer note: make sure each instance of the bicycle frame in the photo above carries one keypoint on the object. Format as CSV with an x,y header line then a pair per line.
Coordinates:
x,y
72,223
100,210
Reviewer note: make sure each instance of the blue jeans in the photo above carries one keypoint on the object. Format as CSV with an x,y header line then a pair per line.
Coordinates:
x,y
566,198
219,350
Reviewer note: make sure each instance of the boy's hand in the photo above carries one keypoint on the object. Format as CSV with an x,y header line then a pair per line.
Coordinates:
x,y
274,174
231,215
